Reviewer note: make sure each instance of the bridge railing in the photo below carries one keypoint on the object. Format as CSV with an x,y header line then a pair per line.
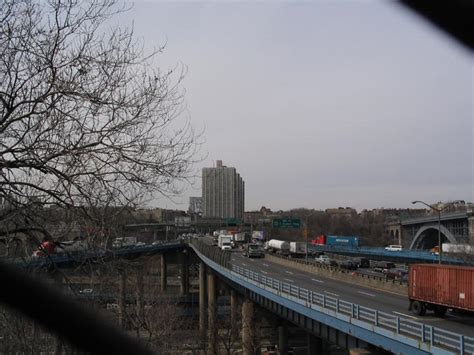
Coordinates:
x,y
92,256
420,332
215,254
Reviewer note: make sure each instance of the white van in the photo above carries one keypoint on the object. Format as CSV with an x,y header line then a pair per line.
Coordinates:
x,y
394,248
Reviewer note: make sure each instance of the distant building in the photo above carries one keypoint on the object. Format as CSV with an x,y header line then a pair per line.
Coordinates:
x,y
342,212
195,205
156,215
394,213
223,192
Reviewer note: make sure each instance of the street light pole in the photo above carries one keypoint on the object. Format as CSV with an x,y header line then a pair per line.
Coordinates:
x,y
440,246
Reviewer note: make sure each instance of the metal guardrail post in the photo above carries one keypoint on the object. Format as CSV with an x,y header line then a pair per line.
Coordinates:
x,y
337,305
398,325
461,344
352,310
324,301
376,317
422,332
432,330
358,312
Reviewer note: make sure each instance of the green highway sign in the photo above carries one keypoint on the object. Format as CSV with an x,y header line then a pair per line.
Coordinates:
x,y
233,221
286,223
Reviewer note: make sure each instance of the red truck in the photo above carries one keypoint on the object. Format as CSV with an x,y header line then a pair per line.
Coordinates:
x,y
437,287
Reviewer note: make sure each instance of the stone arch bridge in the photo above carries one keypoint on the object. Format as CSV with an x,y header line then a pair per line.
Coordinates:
x,y
422,232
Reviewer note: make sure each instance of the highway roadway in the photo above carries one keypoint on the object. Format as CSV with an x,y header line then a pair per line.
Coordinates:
x,y
385,301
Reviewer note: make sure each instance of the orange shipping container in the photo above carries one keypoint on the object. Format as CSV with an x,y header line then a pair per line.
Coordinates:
x,y
437,287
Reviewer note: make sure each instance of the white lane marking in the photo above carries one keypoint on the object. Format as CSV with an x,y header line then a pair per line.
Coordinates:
x,y
331,293
264,272
265,265
288,272
405,315
319,281
366,293
252,260
289,280
244,264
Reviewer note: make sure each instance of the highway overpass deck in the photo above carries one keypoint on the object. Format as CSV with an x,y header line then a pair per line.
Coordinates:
x,y
380,318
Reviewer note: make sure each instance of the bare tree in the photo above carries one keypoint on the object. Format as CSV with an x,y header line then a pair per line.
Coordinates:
x,y
86,119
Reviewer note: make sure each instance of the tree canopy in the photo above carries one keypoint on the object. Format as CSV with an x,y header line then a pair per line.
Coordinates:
x,y
86,118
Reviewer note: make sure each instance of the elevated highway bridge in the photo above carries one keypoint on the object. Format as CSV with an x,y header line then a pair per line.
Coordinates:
x,y
328,309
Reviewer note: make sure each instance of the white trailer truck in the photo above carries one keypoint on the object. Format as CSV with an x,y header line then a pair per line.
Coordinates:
x,y
278,247
225,242
298,249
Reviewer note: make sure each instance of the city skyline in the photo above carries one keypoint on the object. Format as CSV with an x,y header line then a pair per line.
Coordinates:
x,y
319,104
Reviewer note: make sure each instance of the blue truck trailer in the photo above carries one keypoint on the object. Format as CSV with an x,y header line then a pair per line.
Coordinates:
x,y
342,241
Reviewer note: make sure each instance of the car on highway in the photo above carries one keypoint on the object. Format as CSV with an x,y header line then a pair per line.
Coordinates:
x,y
397,274
347,264
384,266
323,260
361,262
394,247
140,244
157,242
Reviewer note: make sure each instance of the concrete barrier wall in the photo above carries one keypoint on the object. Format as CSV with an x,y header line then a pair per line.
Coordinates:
x,y
341,275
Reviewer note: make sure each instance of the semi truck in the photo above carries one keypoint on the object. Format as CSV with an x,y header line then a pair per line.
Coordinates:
x,y
239,237
224,242
251,250
450,248
298,249
438,287
278,247
336,241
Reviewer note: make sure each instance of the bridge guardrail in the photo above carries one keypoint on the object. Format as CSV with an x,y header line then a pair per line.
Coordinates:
x,y
420,332
401,326
93,256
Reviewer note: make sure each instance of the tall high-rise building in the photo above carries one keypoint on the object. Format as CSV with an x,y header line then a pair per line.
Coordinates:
x,y
223,192
195,205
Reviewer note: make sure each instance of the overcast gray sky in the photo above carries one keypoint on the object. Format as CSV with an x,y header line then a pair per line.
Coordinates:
x,y
321,104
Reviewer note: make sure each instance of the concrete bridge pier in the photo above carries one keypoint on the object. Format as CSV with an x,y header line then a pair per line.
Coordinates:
x,y
184,273
121,298
164,272
248,328
140,298
282,339
234,315
470,226
212,313
202,300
